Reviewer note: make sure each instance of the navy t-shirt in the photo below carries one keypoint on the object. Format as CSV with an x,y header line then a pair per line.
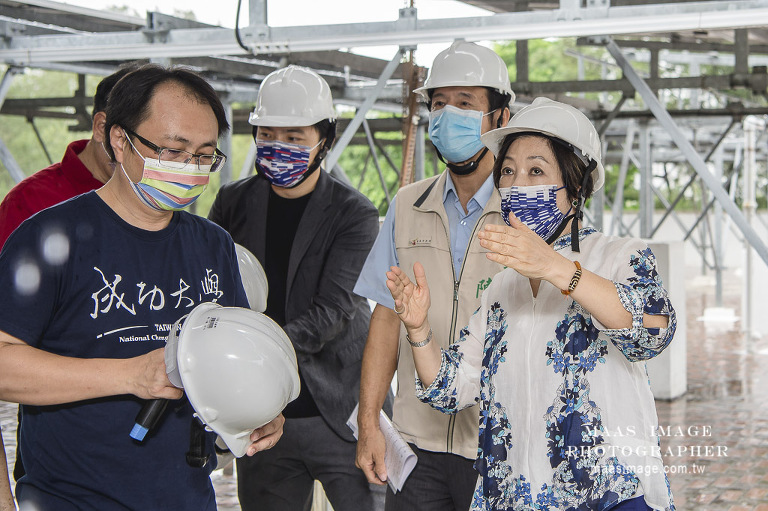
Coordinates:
x,y
78,281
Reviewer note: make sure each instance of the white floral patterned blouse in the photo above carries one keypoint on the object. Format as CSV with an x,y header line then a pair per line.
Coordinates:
x,y
567,418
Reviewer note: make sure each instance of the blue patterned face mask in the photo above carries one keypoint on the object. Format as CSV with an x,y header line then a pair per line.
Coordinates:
x,y
535,206
456,132
283,164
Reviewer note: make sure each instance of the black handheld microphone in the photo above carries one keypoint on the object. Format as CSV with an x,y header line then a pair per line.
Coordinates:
x,y
147,417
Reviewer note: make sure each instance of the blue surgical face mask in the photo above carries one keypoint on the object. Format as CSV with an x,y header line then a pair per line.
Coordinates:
x,y
456,132
283,164
535,206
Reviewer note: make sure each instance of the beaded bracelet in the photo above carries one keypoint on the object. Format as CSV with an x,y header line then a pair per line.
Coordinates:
x,y
421,343
574,280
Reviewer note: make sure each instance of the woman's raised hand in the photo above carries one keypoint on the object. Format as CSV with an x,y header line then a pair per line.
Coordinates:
x,y
411,300
519,248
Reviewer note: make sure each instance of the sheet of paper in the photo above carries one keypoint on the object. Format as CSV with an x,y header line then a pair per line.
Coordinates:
x,y
399,458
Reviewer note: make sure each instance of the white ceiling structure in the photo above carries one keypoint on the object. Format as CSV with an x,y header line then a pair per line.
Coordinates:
x,y
704,128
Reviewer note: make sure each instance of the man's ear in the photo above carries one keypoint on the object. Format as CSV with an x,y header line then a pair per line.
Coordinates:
x,y
99,122
506,115
119,142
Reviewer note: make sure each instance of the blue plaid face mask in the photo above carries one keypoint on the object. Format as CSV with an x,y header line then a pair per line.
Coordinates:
x,y
535,206
283,164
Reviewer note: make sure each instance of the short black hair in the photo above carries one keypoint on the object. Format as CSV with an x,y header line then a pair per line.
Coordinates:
x,y
128,102
572,168
105,87
496,100
325,128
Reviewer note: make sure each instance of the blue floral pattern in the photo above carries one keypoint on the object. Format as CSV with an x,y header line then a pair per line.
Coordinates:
x,y
585,473
643,294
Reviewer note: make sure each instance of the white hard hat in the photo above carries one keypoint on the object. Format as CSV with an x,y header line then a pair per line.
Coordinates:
x,y
556,120
253,277
293,96
466,64
237,367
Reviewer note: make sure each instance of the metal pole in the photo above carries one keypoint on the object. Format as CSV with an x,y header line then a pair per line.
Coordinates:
x,y
372,149
597,204
249,165
257,12
418,157
611,116
31,121
386,156
718,237
678,137
5,84
521,61
349,132
749,205
681,194
618,199
226,146
10,163
646,178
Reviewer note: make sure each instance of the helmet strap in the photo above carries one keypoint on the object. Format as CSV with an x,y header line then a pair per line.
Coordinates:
x,y
579,208
560,229
578,212
467,168
329,138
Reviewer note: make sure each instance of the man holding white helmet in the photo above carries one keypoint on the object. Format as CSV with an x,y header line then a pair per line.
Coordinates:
x,y
468,93
311,233
92,288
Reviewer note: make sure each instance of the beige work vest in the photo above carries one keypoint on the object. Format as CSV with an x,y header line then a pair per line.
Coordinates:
x,y
422,234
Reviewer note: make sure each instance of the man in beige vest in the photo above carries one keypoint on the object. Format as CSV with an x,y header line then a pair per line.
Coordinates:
x,y
435,222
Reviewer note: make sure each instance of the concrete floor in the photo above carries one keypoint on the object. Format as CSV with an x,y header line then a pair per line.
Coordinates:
x,y
718,431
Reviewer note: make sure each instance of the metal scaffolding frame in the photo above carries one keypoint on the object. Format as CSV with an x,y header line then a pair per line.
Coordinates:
x,y
646,133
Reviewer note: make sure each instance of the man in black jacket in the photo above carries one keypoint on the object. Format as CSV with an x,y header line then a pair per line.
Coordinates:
x,y
311,234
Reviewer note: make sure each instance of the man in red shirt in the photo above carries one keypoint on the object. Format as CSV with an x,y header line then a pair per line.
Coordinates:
x,y
85,167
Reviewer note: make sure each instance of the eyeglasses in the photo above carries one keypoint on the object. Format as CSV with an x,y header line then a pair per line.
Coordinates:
x,y
176,156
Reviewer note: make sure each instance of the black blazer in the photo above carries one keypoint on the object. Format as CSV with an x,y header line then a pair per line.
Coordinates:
x,y
325,320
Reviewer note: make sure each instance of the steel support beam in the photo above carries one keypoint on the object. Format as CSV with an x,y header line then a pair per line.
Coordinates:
x,y
618,199
408,30
646,181
352,127
419,155
521,61
749,204
611,116
339,172
717,238
755,82
681,194
226,146
372,149
249,165
384,152
10,163
257,12
688,150
31,121
5,84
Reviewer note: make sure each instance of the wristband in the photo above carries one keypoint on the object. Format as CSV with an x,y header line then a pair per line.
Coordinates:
x,y
421,343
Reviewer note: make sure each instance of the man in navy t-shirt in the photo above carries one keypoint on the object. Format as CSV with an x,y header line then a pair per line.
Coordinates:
x,y
92,288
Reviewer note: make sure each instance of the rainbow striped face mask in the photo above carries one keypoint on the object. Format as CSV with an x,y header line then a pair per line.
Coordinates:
x,y
171,186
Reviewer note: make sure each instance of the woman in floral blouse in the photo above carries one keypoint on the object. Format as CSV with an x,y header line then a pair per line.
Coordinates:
x,y
555,355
